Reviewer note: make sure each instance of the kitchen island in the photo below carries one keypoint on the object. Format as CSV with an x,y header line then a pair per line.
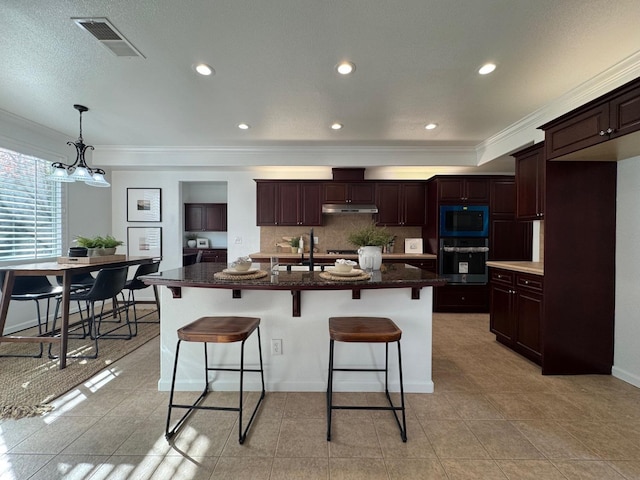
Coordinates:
x,y
295,307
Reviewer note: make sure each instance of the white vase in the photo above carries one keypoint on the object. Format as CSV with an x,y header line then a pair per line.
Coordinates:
x,y
370,257
191,243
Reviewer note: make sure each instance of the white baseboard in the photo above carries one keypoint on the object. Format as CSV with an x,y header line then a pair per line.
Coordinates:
x,y
626,376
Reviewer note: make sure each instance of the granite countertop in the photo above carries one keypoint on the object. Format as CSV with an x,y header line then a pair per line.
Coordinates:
x,y
536,268
334,256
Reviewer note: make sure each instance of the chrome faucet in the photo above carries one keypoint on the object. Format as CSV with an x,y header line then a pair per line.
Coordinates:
x,y
310,251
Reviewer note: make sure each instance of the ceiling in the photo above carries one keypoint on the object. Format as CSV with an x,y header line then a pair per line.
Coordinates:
x,y
416,62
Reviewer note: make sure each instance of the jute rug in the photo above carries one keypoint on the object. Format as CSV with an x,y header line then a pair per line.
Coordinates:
x,y
28,384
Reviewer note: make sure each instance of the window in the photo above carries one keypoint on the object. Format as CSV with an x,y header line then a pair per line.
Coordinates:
x,y
30,209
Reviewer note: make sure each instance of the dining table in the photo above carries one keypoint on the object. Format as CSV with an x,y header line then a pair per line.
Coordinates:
x,y
66,267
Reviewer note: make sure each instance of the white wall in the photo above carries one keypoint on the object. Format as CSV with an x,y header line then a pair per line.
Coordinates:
x,y
627,322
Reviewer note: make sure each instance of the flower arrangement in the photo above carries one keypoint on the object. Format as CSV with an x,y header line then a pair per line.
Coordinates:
x,y
370,236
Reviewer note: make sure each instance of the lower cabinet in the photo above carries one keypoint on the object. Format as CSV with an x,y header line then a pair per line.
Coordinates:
x,y
216,255
516,311
429,265
461,298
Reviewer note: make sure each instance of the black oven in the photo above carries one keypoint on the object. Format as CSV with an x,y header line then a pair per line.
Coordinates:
x,y
464,221
464,260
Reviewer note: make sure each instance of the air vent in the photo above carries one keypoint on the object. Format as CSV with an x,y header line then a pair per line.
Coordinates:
x,y
108,36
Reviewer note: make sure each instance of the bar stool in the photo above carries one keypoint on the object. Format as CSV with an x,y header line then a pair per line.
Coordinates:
x,y
365,330
217,330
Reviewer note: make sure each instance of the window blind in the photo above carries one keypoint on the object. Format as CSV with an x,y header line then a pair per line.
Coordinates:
x,y
31,210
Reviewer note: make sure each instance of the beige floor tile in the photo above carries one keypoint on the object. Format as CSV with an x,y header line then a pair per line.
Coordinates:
x,y
128,467
300,469
303,438
472,470
205,433
249,468
530,470
146,439
70,467
502,440
185,468
104,437
604,439
516,406
20,466
306,405
628,469
83,402
473,406
587,470
453,439
261,440
55,436
553,440
140,403
13,432
432,406
415,469
357,469
354,438
416,446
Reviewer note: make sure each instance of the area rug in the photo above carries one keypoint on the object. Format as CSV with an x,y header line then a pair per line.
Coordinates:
x,y
28,384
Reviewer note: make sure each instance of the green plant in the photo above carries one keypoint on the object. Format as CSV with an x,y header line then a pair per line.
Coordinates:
x,y
370,236
191,236
110,242
97,241
86,242
295,242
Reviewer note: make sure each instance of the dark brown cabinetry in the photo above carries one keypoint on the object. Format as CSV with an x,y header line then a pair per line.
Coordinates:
x,y
401,203
463,190
509,239
217,255
609,117
357,192
285,203
429,265
462,298
530,182
516,311
205,217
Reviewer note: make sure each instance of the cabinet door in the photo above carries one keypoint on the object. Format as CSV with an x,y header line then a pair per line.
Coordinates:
x,y
502,199
467,190
625,113
389,203
501,321
310,207
578,132
530,172
510,239
529,316
288,203
476,190
362,192
266,197
193,217
413,204
450,190
335,192
216,217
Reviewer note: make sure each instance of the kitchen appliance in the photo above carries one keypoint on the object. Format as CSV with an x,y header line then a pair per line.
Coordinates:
x,y
331,208
464,260
464,221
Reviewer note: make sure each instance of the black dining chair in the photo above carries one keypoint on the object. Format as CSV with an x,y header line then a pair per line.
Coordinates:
x,y
34,289
108,285
134,285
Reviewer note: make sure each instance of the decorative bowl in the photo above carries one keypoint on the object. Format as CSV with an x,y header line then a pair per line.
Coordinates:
x,y
242,264
344,266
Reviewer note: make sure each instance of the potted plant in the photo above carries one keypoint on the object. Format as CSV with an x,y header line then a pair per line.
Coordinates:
x,y
295,244
89,243
98,245
370,241
191,240
109,244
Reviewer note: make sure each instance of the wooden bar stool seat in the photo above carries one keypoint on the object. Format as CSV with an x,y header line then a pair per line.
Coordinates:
x,y
217,330
365,330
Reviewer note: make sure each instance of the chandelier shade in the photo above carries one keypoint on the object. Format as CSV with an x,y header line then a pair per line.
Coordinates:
x,y
78,171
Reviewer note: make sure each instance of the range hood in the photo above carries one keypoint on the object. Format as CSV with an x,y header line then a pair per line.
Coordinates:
x,y
348,208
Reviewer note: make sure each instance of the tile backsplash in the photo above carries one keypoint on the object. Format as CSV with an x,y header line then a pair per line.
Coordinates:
x,y
333,233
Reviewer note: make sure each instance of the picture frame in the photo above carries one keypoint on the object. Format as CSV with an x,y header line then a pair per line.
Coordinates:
x,y
144,241
144,204
413,245
202,242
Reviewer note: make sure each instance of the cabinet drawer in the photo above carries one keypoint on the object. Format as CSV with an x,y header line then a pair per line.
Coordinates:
x,y
532,282
502,276
462,298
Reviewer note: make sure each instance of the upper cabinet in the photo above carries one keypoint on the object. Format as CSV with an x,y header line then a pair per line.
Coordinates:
x,y
463,190
401,203
530,182
341,192
587,133
286,203
205,217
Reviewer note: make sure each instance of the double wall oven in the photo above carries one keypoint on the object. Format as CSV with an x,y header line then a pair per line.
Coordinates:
x,y
464,243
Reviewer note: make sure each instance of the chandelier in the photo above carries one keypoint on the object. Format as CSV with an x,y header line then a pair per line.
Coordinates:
x,y
79,171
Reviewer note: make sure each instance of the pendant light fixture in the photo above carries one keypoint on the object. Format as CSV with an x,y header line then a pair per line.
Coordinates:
x,y
79,171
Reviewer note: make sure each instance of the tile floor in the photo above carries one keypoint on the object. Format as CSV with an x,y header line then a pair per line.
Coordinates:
x,y
492,416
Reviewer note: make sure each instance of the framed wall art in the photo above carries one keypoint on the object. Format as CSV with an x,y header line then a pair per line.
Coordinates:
x,y
144,241
144,204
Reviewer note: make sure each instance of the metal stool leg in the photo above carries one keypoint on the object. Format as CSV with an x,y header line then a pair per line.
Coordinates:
x,y
330,390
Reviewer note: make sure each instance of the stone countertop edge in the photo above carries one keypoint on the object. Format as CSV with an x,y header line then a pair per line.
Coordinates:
x,y
535,268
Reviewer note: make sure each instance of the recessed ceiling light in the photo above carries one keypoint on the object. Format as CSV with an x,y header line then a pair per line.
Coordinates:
x,y
487,68
430,126
345,68
336,126
244,126
203,69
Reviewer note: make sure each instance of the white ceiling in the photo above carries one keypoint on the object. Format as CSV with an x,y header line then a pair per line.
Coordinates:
x,y
416,62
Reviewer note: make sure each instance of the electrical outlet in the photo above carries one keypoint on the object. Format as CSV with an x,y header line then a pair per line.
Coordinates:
x,y
238,240
315,240
276,346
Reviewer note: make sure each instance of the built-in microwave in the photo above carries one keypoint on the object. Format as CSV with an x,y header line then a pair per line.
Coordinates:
x,y
464,221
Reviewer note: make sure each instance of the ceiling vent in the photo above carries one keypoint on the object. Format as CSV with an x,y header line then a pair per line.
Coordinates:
x,y
108,36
